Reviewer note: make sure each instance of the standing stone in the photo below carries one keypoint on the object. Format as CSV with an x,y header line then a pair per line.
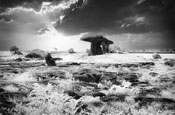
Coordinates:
x,y
49,60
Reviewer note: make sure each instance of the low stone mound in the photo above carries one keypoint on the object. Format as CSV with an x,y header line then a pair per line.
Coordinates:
x,y
36,54
18,59
169,62
71,50
156,56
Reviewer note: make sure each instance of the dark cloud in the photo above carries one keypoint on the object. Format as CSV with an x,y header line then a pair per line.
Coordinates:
x,y
26,10
160,13
108,16
121,16
97,15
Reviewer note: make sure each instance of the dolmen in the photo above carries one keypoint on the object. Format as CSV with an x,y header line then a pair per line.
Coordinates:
x,y
99,44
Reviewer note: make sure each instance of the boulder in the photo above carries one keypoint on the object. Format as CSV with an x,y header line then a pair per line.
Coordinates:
x,y
19,59
169,62
156,56
49,60
71,50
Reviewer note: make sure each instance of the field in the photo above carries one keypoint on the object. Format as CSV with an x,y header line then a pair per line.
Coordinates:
x,y
110,84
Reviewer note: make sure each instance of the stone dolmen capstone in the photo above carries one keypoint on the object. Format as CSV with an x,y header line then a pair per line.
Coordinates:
x,y
99,44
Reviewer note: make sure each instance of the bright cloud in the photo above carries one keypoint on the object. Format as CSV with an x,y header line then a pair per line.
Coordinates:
x,y
46,7
54,39
134,20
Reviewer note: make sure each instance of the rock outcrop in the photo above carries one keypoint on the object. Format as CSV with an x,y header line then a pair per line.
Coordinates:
x,y
36,54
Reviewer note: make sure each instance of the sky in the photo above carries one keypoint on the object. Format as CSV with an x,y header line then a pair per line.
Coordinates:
x,y
59,24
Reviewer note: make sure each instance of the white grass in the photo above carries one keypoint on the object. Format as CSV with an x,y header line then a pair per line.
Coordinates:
x,y
11,88
109,58
52,100
24,77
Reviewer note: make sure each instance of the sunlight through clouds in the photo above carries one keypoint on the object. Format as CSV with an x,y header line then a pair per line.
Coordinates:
x,y
38,27
46,7
51,39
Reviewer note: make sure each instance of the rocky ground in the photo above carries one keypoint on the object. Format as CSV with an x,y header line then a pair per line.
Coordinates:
x,y
123,84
